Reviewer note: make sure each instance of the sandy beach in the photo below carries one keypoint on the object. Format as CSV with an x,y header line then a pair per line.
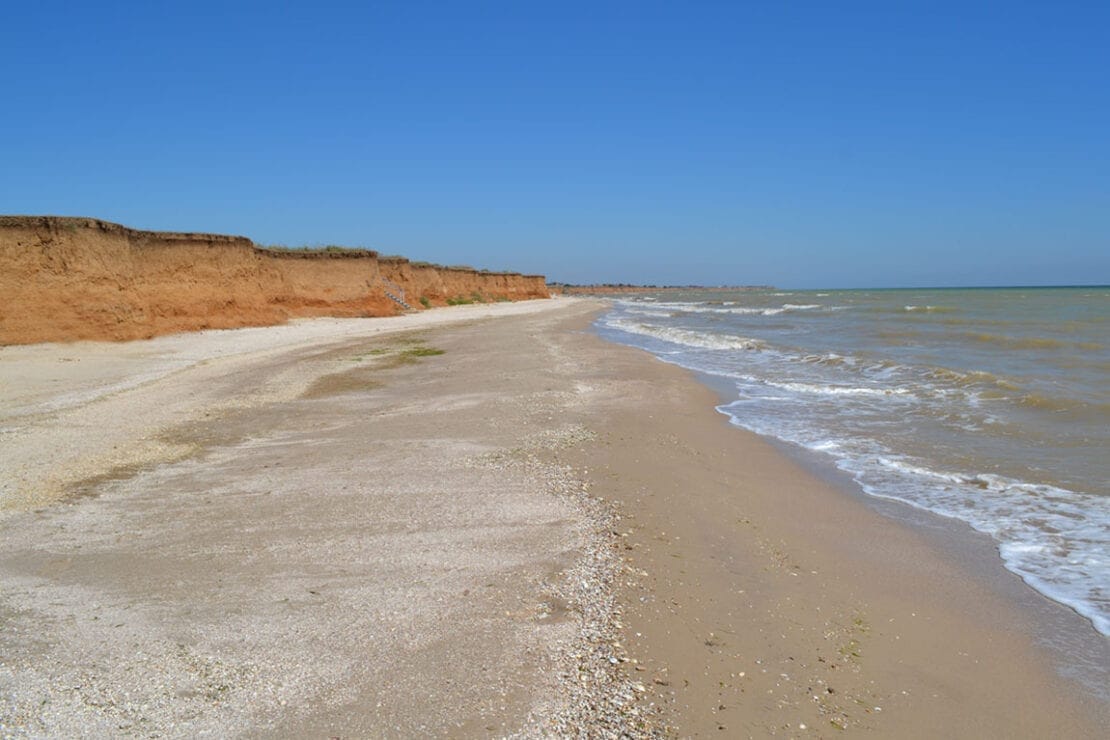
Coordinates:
x,y
476,521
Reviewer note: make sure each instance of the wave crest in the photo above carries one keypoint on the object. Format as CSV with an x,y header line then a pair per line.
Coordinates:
x,y
685,337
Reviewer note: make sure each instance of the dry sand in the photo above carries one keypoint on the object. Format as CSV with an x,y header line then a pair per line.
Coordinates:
x,y
323,529
329,529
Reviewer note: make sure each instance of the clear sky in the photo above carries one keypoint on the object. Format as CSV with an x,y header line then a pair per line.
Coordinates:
x,y
803,144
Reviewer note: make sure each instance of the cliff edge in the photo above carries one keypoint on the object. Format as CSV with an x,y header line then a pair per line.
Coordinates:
x,y
64,278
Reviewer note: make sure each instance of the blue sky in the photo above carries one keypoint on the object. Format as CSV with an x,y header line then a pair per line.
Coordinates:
x,y
794,143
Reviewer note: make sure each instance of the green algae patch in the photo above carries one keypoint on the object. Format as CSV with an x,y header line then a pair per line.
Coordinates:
x,y
403,350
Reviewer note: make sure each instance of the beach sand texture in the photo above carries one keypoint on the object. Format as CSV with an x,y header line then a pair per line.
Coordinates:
x,y
477,521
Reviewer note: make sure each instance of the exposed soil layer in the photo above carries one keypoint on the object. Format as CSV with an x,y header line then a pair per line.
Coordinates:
x,y
81,278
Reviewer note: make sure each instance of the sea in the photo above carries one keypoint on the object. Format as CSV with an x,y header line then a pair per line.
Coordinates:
x,y
986,405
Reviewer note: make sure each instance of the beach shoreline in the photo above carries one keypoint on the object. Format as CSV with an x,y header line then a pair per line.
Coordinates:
x,y
722,589
1077,650
952,643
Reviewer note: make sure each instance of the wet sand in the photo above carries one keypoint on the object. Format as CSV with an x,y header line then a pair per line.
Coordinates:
x,y
770,602
481,521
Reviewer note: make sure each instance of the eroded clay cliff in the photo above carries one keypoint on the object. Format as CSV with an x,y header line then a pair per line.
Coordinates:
x,y
79,278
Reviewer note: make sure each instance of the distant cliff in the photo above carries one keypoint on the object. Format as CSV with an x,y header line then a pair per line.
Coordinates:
x,y
80,278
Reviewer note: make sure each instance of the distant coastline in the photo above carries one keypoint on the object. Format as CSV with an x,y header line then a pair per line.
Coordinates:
x,y
616,288
620,288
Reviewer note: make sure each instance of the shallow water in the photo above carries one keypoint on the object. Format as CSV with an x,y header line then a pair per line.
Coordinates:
x,y
989,405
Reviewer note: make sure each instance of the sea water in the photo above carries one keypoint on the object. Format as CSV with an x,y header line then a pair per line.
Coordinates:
x,y
988,405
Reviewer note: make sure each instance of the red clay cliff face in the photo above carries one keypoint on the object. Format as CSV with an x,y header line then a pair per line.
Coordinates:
x,y
440,284
64,279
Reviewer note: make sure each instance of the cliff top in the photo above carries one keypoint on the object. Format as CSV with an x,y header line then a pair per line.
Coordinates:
x,y
331,251
72,223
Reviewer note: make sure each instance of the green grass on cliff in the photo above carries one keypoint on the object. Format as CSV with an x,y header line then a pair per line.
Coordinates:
x,y
310,248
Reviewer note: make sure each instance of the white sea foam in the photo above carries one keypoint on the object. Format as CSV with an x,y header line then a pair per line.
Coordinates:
x,y
1053,538
705,308
836,390
829,358
685,337
730,307
650,313
929,309
863,404
904,467
826,446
